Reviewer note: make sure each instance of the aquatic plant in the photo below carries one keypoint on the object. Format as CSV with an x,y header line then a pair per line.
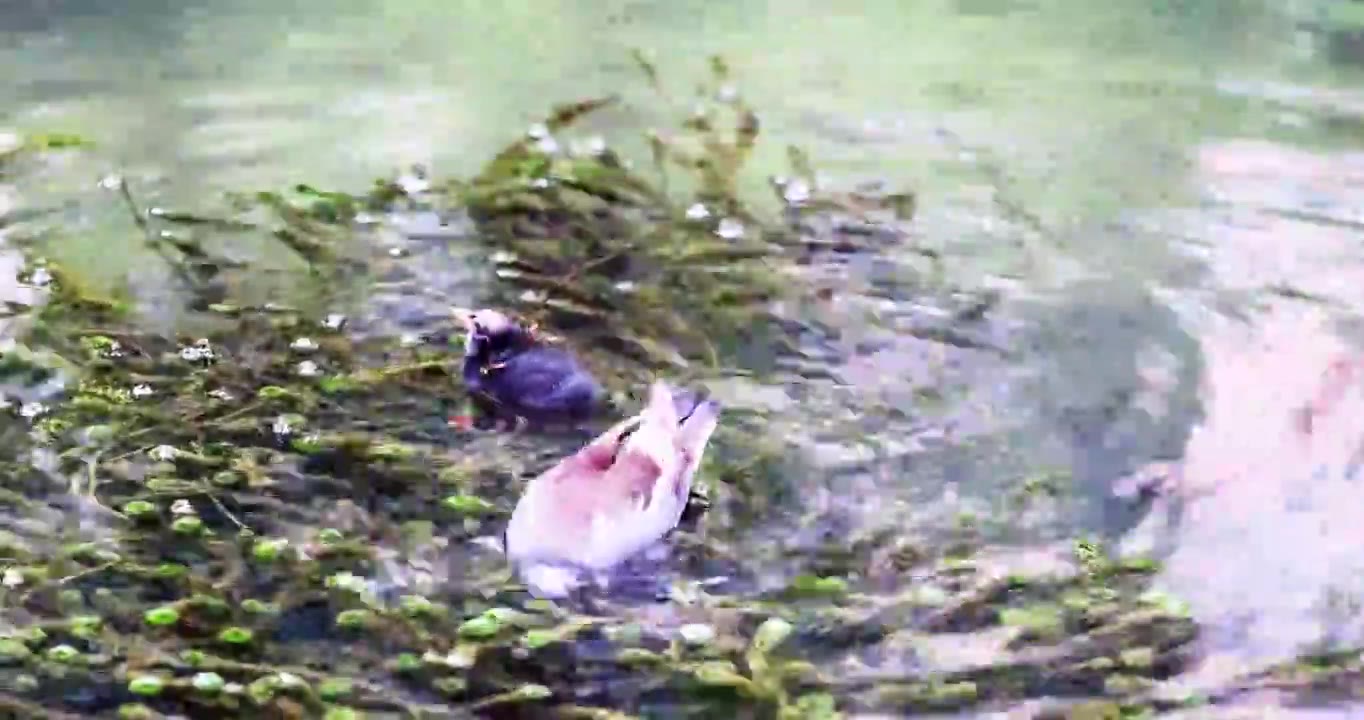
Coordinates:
x,y
272,487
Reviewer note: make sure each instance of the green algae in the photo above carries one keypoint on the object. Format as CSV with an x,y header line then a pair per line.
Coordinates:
x,y
162,616
13,651
249,501
1039,622
236,635
146,685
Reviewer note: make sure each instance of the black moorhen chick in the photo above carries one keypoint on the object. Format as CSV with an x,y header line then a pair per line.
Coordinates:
x,y
512,376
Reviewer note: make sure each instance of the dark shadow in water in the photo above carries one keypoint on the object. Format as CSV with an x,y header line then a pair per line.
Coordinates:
x,y
1098,398
1344,46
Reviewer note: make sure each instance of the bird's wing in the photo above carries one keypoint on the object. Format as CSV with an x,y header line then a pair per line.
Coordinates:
x,y
548,380
554,515
599,505
634,507
623,491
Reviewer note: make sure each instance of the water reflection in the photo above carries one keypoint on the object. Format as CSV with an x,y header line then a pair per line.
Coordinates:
x,y
1101,122
1121,384
1283,499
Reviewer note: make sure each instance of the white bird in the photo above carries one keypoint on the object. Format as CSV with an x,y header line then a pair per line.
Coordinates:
x,y
613,498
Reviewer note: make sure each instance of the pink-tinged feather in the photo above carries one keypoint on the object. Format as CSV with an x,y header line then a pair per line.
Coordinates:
x,y
661,408
634,475
601,504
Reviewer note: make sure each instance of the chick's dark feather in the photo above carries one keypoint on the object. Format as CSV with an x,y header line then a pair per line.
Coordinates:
x,y
537,383
543,380
510,373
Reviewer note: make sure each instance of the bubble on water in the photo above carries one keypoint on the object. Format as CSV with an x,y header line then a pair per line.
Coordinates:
x,y
32,409
413,185
288,680
698,212
696,633
200,351
730,229
796,192
547,145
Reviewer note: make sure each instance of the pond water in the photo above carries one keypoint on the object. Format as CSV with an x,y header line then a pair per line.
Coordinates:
x,y
1166,194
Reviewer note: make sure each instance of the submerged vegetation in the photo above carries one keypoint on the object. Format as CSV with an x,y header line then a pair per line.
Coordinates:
x,y
272,516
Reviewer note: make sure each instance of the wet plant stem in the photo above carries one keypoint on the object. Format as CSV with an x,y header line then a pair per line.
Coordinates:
x,y
66,579
228,513
153,242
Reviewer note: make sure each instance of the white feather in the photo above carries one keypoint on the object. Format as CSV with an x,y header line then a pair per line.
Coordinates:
x,y
550,581
539,538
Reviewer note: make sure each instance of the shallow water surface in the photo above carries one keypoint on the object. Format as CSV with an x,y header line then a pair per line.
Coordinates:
x,y
1165,196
